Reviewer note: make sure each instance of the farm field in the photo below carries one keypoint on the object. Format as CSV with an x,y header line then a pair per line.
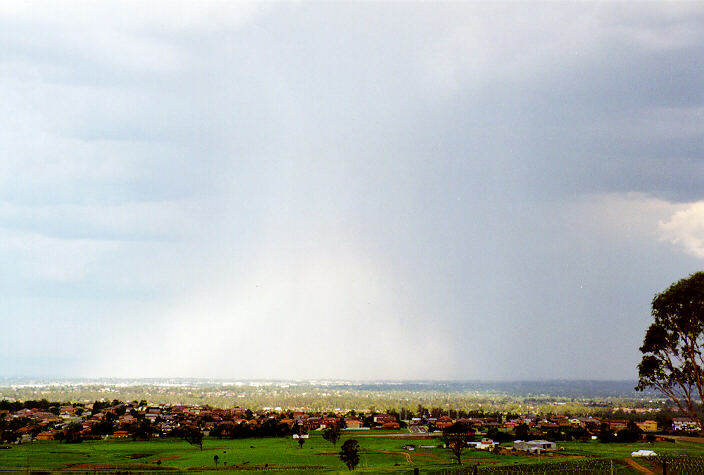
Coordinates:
x,y
383,453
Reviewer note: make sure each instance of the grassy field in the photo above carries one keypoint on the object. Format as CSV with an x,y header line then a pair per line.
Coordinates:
x,y
379,454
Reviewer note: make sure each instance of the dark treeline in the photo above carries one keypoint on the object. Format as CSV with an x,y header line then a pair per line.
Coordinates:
x,y
270,428
43,404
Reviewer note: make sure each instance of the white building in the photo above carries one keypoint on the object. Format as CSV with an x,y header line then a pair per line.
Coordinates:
x,y
643,453
535,446
485,444
685,424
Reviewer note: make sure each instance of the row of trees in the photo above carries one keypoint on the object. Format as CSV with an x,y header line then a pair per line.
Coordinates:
x,y
55,406
270,428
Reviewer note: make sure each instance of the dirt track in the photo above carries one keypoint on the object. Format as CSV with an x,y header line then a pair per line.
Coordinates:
x,y
170,457
688,439
637,466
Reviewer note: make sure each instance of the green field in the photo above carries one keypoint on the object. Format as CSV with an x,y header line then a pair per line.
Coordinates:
x,y
317,455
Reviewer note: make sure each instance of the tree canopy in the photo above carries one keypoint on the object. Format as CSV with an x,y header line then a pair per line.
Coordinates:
x,y
349,453
332,434
456,437
193,436
672,348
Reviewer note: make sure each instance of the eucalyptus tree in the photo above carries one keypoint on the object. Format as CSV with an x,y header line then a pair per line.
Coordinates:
x,y
672,348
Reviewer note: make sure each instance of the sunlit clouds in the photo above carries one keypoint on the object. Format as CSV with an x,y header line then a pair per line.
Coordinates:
x,y
685,228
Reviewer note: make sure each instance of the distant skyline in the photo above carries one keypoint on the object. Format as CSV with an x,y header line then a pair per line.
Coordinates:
x,y
394,191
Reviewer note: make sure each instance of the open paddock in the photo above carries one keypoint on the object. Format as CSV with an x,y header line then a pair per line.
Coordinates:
x,y
384,453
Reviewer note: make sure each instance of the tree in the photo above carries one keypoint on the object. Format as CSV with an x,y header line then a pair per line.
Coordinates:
x,y
672,348
605,433
522,432
143,431
332,434
498,435
456,437
193,436
349,453
73,433
104,427
98,406
629,435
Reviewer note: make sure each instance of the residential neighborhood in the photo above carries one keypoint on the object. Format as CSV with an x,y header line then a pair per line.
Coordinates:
x,y
139,420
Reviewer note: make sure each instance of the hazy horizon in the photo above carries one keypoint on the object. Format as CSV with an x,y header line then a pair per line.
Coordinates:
x,y
410,191
89,379
198,387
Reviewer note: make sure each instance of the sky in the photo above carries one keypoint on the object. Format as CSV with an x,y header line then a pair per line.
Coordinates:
x,y
466,191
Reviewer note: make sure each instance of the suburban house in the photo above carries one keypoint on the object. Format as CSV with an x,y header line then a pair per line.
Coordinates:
x,y
328,422
511,425
68,411
312,423
535,446
386,421
353,423
685,424
648,426
485,444
443,422
288,422
126,419
382,418
47,435
616,425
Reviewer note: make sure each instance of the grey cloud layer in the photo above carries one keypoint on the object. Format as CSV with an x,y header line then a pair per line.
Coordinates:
x,y
440,175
